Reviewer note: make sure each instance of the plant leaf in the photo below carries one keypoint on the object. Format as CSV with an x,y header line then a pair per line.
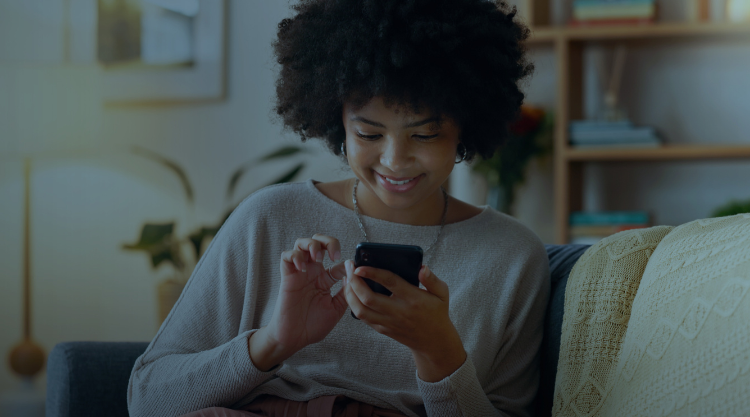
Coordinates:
x,y
282,153
235,178
152,234
158,241
171,165
196,238
289,175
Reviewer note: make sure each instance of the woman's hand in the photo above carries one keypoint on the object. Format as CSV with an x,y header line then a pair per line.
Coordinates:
x,y
305,311
417,318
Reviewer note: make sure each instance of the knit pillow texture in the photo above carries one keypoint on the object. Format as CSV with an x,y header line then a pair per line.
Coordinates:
x,y
687,348
598,303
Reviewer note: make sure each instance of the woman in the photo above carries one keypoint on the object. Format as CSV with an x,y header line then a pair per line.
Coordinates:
x,y
402,90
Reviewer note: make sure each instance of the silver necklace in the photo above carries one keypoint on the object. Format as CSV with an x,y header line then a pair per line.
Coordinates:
x,y
362,226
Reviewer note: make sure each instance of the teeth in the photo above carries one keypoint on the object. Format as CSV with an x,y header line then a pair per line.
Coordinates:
x,y
397,182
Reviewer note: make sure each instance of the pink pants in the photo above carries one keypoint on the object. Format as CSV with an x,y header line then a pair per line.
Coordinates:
x,y
327,406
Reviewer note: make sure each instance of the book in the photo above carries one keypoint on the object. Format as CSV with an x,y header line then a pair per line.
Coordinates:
x,y
622,9
602,230
626,134
613,22
588,227
589,3
609,218
583,125
604,133
618,145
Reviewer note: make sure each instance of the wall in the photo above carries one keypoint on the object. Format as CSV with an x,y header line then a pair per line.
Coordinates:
x,y
87,205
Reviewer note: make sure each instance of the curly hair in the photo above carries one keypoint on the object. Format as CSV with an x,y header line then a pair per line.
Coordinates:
x,y
458,58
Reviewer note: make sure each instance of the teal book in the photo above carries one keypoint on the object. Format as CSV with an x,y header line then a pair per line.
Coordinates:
x,y
579,218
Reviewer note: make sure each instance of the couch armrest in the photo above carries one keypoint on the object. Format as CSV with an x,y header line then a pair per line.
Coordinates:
x,y
90,378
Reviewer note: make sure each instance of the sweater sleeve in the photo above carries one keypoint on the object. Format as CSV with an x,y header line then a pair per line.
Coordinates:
x,y
515,370
199,357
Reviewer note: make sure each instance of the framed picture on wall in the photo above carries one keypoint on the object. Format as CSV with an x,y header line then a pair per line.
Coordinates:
x,y
161,51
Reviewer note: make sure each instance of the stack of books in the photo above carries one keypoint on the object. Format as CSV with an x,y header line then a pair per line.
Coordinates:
x,y
593,133
613,12
588,227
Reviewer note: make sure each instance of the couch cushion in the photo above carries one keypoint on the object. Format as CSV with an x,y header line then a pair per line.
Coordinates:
x,y
687,348
90,378
598,300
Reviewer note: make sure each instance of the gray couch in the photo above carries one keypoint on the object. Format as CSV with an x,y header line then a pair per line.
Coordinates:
x,y
91,378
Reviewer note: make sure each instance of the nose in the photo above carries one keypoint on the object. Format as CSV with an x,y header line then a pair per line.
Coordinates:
x,y
396,155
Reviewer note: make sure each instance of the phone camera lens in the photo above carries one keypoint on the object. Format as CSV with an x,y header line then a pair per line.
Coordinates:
x,y
366,257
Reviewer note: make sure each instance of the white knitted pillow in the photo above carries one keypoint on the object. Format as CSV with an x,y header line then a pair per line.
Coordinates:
x,y
598,300
687,347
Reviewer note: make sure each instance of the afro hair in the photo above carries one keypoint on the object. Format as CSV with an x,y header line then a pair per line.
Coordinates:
x,y
458,58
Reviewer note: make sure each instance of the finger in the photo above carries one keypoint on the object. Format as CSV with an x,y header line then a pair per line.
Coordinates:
x,y
312,246
337,272
296,258
360,310
383,277
433,284
366,295
339,301
331,244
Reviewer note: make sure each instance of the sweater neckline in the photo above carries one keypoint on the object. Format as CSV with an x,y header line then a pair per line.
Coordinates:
x,y
345,211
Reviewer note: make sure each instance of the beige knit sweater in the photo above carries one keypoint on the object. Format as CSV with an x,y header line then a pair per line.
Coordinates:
x,y
496,269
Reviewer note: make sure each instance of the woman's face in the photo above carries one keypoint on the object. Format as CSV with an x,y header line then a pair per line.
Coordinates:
x,y
401,157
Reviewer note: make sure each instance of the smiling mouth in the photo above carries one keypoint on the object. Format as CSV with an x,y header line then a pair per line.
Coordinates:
x,y
398,181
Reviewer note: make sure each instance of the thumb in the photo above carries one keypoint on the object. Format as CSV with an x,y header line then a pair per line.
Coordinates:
x,y
432,283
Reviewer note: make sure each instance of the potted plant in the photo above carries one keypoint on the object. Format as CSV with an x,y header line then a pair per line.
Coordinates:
x,y
530,136
162,244
731,208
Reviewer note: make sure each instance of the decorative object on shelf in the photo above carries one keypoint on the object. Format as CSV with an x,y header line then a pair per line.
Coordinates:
x,y
613,12
160,50
612,128
612,111
161,243
696,10
590,227
738,10
530,136
731,208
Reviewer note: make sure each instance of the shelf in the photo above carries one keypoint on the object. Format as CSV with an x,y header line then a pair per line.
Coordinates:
x,y
653,31
663,153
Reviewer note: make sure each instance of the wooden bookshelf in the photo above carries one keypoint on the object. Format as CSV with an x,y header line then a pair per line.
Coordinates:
x,y
569,44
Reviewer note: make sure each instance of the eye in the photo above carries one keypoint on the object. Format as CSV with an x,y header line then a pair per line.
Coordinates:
x,y
367,137
425,137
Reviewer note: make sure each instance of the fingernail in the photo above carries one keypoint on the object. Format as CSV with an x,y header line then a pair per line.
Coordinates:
x,y
303,268
336,256
348,265
426,271
319,257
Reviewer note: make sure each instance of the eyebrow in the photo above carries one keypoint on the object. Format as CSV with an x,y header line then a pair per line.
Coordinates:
x,y
377,124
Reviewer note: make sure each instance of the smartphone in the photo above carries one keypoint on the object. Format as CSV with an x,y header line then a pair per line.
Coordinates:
x,y
403,260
